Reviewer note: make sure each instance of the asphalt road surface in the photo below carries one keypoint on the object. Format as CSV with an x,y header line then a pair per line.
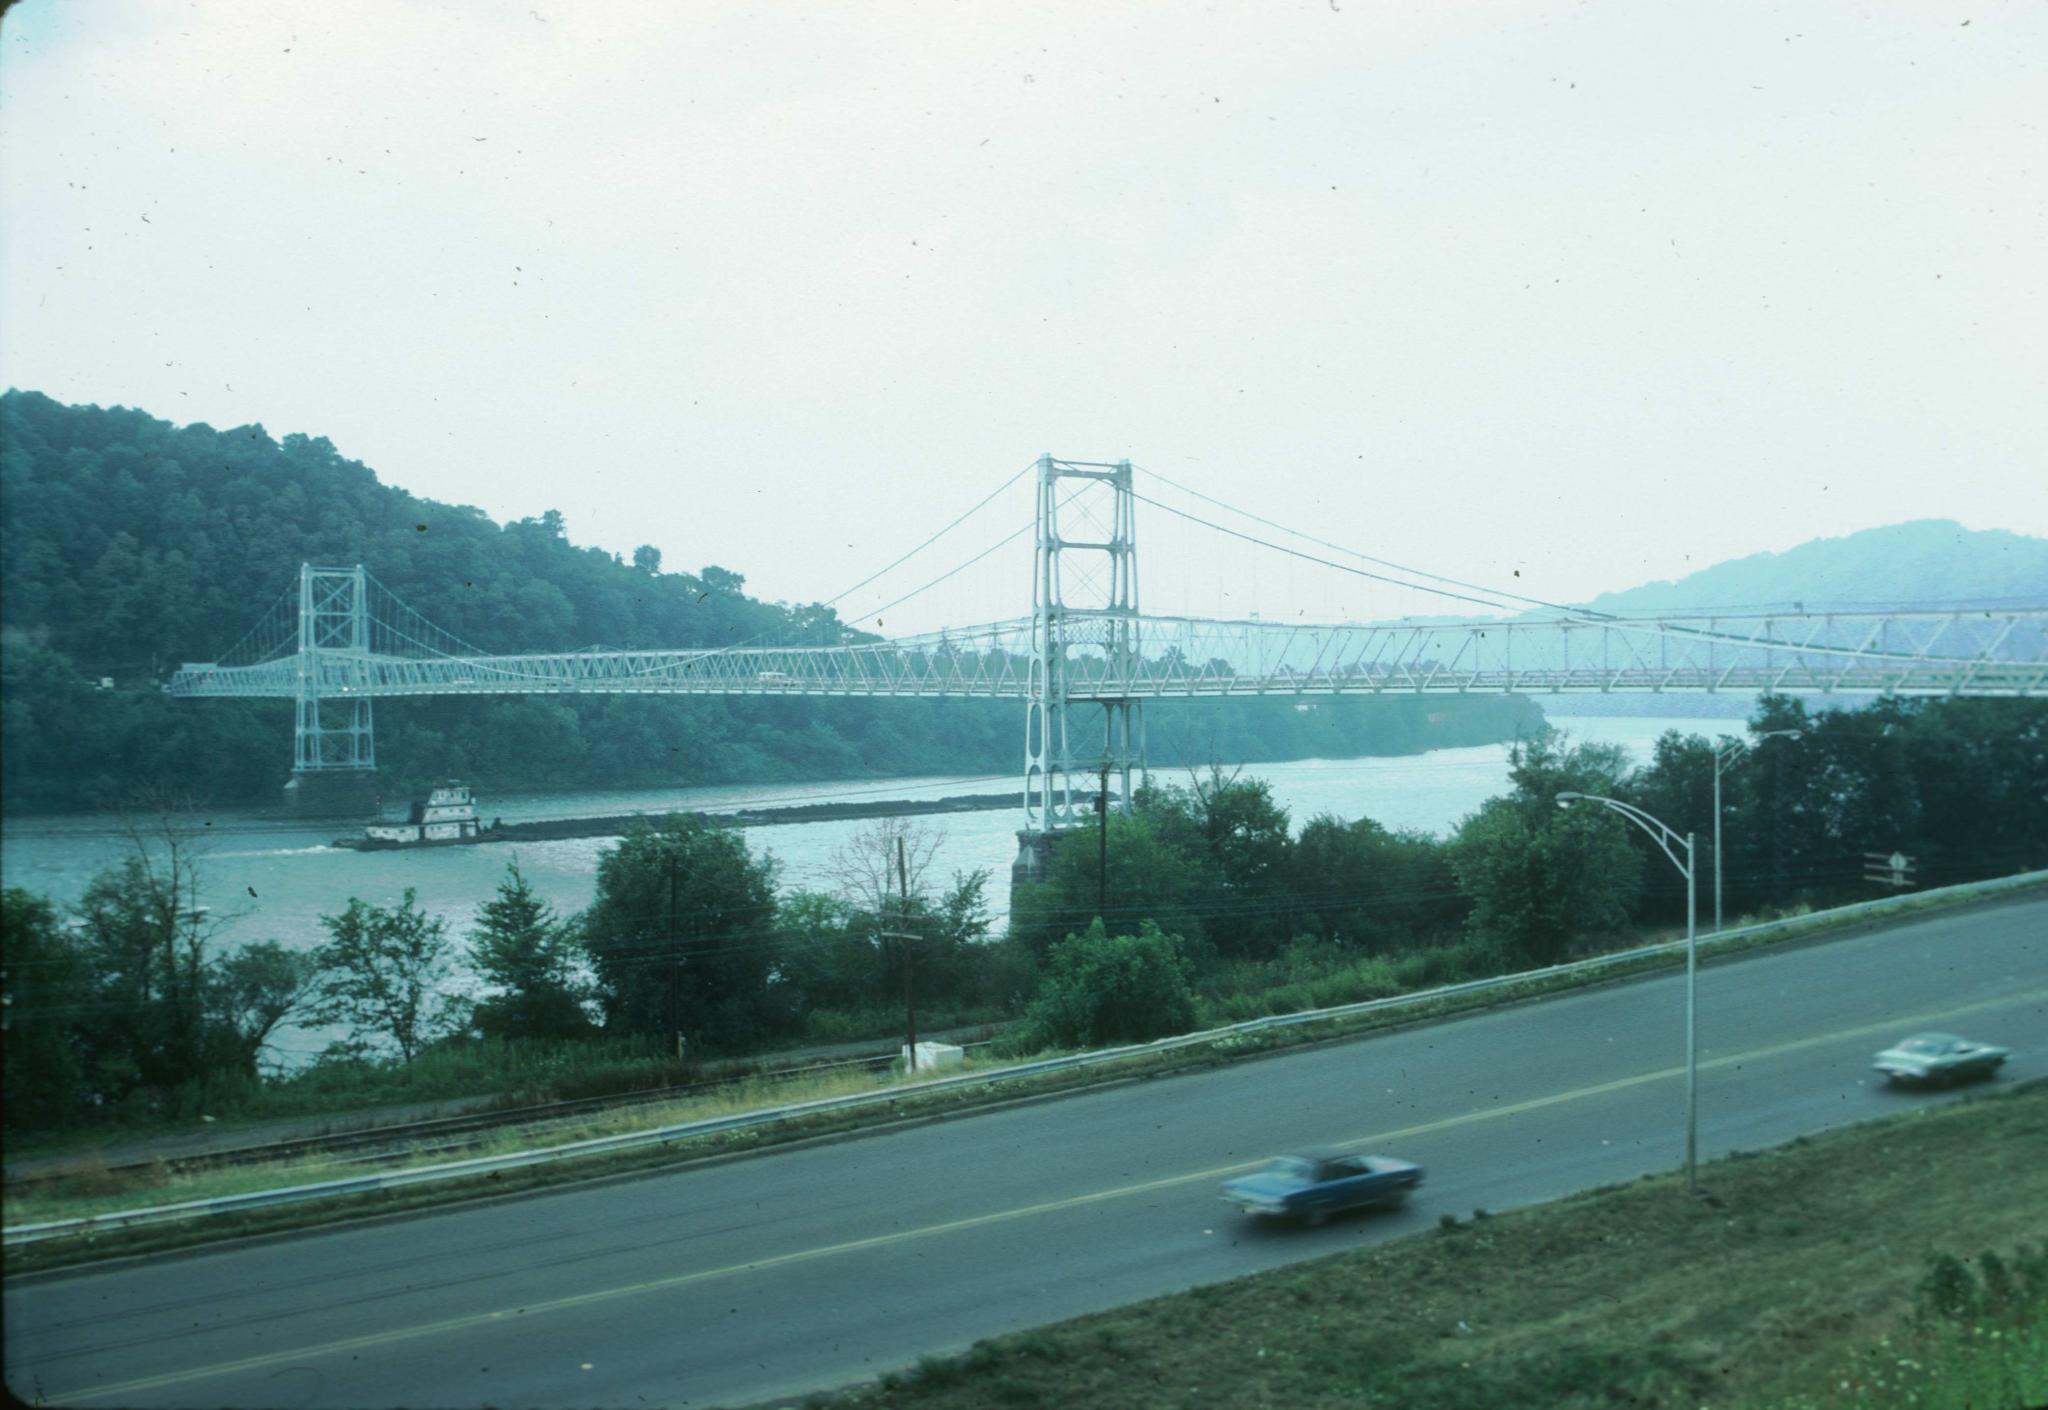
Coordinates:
x,y
811,1268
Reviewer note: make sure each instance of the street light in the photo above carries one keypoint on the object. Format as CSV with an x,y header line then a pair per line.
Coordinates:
x,y
1722,758
1669,841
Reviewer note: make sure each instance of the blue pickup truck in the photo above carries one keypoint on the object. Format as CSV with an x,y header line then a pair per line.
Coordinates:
x,y
1314,1185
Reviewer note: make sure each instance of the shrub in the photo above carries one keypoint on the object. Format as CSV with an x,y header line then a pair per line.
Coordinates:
x,y
1101,988
933,1371
1995,1292
1948,1290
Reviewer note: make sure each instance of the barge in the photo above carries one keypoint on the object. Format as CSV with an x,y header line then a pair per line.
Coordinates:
x,y
618,825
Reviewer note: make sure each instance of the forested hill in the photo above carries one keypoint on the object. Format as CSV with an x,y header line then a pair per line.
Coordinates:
x,y
132,544
1925,560
128,545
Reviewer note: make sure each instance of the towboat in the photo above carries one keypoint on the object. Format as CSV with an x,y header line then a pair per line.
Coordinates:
x,y
445,817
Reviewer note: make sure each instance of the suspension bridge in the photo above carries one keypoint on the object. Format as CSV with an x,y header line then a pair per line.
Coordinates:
x,y
1086,658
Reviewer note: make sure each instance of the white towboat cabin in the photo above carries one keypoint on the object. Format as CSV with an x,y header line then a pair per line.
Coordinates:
x,y
448,814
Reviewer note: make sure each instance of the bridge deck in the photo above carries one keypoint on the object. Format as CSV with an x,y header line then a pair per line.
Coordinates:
x,y
2001,652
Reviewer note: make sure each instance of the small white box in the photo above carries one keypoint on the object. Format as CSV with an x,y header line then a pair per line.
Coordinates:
x,y
932,1056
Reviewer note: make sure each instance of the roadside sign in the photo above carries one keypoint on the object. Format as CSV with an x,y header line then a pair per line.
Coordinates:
x,y
1893,869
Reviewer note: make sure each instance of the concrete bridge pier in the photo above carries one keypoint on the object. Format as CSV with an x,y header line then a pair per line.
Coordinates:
x,y
1035,849
1034,859
333,793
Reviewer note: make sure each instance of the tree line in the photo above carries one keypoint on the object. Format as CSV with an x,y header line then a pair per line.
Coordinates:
x,y
1212,907
1236,902
128,1006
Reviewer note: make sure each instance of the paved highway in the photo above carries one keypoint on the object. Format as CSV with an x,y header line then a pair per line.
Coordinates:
x,y
814,1267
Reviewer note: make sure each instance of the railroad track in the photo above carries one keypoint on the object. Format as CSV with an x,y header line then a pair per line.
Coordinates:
x,y
389,1145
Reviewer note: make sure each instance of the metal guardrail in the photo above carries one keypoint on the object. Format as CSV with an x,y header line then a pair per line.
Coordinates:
x,y
464,1169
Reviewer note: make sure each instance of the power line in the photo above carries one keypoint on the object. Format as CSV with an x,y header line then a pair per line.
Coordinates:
x,y
1340,548
956,568
1313,558
830,601
960,567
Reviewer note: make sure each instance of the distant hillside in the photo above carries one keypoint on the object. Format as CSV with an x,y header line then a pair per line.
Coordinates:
x,y
1922,561
1925,560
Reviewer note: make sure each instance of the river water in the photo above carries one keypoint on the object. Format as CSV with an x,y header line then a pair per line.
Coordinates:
x,y
267,878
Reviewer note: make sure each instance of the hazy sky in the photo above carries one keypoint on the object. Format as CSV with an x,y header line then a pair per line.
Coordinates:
x,y
1595,293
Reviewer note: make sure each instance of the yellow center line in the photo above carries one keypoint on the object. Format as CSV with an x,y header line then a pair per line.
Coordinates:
x,y
125,1389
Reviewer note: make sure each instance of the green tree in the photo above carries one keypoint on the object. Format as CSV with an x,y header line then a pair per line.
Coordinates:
x,y
48,989
252,992
386,974
962,909
1148,878
1361,885
1677,788
1538,876
1772,839
146,936
530,957
831,952
682,935
1236,836
834,957
884,872
1870,799
1102,988
951,948
156,1006
1981,773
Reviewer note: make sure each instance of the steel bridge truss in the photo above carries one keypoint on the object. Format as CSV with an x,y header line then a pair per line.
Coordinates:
x,y
2001,652
1086,644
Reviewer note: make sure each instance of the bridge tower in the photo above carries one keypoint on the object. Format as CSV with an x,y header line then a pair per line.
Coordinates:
x,y
1096,627
334,751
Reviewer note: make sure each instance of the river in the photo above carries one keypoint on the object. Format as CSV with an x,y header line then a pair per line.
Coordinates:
x,y
267,878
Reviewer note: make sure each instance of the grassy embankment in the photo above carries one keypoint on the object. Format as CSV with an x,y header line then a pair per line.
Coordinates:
x,y
482,1072
92,1190
1901,1262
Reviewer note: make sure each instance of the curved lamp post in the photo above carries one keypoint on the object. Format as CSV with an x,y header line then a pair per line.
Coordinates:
x,y
1671,844
1736,749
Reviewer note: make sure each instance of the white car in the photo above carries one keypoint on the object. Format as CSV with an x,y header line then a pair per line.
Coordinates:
x,y
1939,1057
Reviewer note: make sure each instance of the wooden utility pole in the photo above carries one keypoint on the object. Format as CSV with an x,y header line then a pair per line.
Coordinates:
x,y
675,965
909,952
1102,851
